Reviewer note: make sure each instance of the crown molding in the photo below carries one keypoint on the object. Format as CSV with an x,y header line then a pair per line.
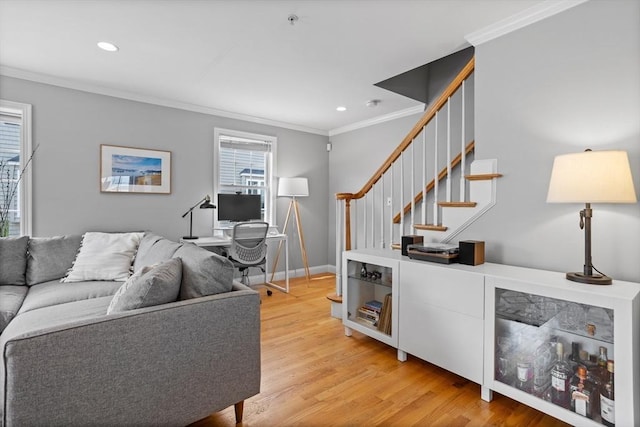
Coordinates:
x,y
131,96
377,120
520,20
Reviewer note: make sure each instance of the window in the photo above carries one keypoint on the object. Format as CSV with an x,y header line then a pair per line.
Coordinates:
x,y
244,163
15,151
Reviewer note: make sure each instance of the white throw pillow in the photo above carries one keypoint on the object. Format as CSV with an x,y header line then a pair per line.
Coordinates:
x,y
104,256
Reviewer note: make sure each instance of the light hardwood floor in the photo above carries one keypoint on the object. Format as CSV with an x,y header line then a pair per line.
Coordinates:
x,y
313,375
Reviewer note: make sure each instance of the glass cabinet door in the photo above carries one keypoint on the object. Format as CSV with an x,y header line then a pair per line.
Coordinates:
x,y
556,350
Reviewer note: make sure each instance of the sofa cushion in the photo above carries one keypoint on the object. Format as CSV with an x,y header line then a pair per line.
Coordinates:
x,y
55,293
154,249
203,272
13,260
51,258
11,297
104,256
149,286
53,316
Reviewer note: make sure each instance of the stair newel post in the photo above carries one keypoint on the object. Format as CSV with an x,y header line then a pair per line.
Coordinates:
x,y
339,246
463,188
448,183
424,175
435,175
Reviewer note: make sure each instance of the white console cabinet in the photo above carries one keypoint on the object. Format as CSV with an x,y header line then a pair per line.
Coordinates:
x,y
442,316
499,326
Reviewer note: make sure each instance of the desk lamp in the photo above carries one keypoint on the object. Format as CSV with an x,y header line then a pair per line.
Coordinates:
x,y
591,177
206,204
293,187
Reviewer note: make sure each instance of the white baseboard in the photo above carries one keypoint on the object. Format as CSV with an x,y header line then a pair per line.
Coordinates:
x,y
258,279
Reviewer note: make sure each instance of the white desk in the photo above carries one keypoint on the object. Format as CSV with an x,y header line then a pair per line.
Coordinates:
x,y
224,241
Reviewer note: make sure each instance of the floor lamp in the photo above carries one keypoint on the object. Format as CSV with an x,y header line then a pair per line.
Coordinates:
x,y
293,187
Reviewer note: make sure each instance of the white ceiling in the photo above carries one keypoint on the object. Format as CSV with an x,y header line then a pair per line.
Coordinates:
x,y
242,58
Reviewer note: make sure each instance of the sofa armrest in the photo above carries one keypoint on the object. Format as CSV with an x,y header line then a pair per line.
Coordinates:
x,y
166,365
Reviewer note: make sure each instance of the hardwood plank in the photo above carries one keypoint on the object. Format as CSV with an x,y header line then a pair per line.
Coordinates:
x,y
313,375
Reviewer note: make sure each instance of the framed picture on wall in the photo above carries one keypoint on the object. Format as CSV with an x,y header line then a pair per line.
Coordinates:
x,y
134,170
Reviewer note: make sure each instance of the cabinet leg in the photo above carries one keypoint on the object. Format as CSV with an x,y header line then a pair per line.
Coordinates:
x,y
347,331
402,355
486,393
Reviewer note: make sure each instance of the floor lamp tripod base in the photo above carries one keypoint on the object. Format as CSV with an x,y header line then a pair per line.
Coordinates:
x,y
293,206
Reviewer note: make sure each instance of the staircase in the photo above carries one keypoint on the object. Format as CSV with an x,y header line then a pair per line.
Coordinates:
x,y
431,184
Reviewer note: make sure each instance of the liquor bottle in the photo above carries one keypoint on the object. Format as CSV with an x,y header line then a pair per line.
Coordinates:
x,y
561,375
602,364
574,357
582,393
607,398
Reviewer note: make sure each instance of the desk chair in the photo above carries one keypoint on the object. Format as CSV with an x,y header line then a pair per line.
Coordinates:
x,y
248,248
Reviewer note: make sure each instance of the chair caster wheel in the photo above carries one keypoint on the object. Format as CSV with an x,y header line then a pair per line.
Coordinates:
x,y
269,293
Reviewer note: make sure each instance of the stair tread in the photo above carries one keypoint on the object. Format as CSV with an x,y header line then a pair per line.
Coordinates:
x,y
430,227
334,297
483,176
458,204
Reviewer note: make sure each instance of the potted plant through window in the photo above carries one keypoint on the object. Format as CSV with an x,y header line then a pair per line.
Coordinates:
x,y
10,177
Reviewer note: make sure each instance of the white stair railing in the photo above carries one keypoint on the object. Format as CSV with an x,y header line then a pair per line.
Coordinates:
x,y
365,210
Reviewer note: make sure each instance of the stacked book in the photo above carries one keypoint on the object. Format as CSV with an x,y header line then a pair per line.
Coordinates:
x,y
384,323
369,313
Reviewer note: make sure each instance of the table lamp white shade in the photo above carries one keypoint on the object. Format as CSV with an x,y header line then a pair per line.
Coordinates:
x,y
293,187
591,177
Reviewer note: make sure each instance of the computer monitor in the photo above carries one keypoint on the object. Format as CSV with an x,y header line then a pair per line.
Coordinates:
x,y
239,207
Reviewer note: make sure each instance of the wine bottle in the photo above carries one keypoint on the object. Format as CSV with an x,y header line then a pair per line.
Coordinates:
x,y
607,398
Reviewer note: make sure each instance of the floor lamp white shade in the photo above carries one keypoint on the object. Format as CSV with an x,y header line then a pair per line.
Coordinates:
x,y
293,187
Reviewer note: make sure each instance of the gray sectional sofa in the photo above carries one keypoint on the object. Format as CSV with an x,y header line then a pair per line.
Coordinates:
x,y
66,362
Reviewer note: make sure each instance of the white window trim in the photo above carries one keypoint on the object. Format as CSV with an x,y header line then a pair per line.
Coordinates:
x,y
26,187
271,200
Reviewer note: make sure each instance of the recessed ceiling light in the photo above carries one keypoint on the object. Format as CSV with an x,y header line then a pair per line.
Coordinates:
x,y
341,108
109,47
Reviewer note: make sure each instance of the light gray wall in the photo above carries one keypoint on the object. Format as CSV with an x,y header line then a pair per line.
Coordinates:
x,y
558,86
355,157
70,125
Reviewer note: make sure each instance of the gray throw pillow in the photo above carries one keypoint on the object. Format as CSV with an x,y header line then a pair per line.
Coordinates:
x,y
154,249
13,260
151,285
203,272
50,258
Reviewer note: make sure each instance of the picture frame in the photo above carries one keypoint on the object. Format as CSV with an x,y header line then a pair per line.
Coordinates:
x,y
134,170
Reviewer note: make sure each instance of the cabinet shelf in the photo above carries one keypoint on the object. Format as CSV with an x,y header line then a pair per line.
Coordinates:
x,y
380,282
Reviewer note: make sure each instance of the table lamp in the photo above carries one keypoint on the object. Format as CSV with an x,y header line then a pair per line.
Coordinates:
x,y
591,177
293,187
206,204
